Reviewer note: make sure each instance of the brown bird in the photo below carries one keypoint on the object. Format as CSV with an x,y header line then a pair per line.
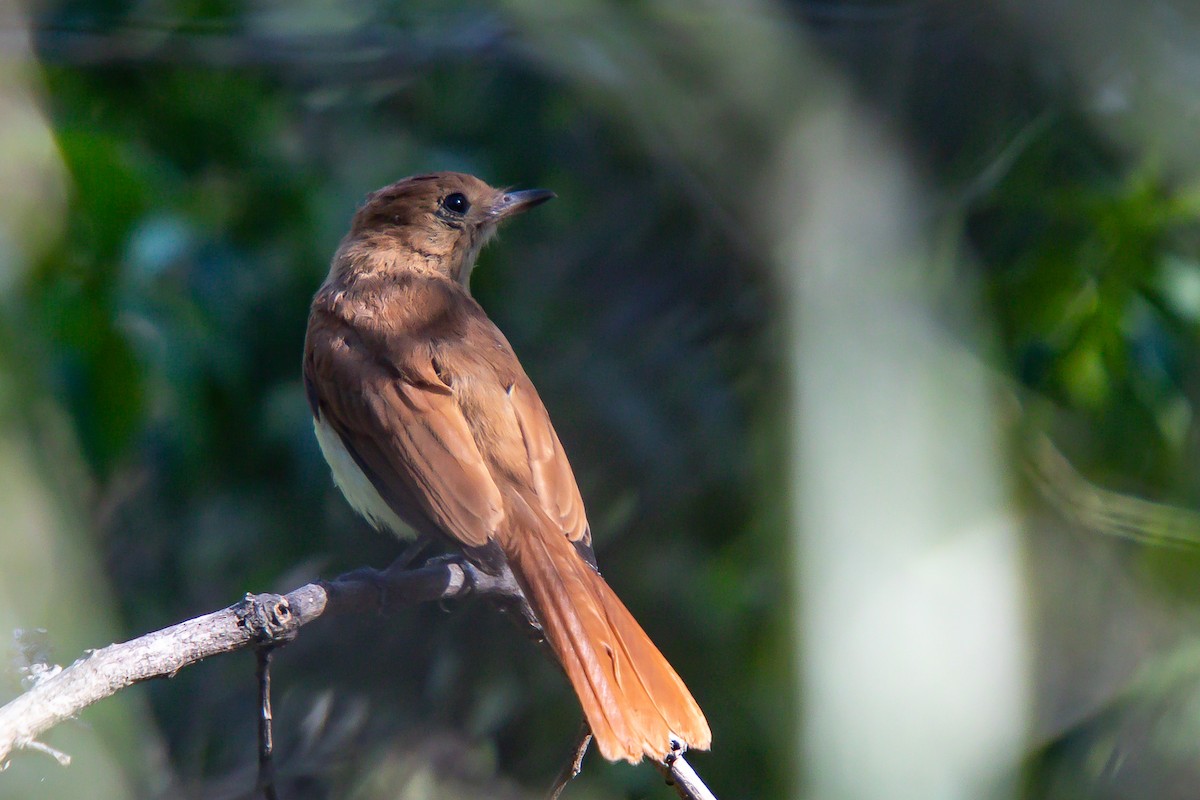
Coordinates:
x,y
429,423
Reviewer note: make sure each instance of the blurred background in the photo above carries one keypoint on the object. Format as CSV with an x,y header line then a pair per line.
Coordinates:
x,y
872,329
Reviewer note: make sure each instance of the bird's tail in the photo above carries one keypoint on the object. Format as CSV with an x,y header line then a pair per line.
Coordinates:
x,y
634,701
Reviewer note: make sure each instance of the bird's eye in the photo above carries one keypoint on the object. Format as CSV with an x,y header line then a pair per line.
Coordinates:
x,y
457,203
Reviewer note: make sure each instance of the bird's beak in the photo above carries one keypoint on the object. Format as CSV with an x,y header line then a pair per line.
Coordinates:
x,y
511,203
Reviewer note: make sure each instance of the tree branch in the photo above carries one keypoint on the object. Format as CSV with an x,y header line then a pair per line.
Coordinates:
x,y
683,779
263,621
573,767
256,620
266,734
678,772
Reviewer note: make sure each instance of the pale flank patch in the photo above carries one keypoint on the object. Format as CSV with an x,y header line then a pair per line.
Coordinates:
x,y
357,488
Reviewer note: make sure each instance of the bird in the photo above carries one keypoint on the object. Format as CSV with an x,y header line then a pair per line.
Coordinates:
x,y
431,427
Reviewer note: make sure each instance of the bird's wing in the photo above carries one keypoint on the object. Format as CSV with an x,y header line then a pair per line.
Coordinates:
x,y
406,432
553,480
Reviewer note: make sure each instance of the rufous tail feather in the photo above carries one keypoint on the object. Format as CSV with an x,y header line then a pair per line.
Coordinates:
x,y
633,700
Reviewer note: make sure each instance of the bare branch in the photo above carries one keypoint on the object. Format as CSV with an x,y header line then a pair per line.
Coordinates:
x,y
264,621
683,778
573,767
62,758
266,736
256,620
678,772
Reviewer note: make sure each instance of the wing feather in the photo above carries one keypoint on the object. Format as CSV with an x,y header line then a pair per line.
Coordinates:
x,y
553,480
406,432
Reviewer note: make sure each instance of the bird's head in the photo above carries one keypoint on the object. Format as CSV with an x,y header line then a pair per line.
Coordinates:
x,y
444,218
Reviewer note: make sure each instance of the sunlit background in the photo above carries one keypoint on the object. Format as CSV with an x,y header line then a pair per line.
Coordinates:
x,y
872,330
